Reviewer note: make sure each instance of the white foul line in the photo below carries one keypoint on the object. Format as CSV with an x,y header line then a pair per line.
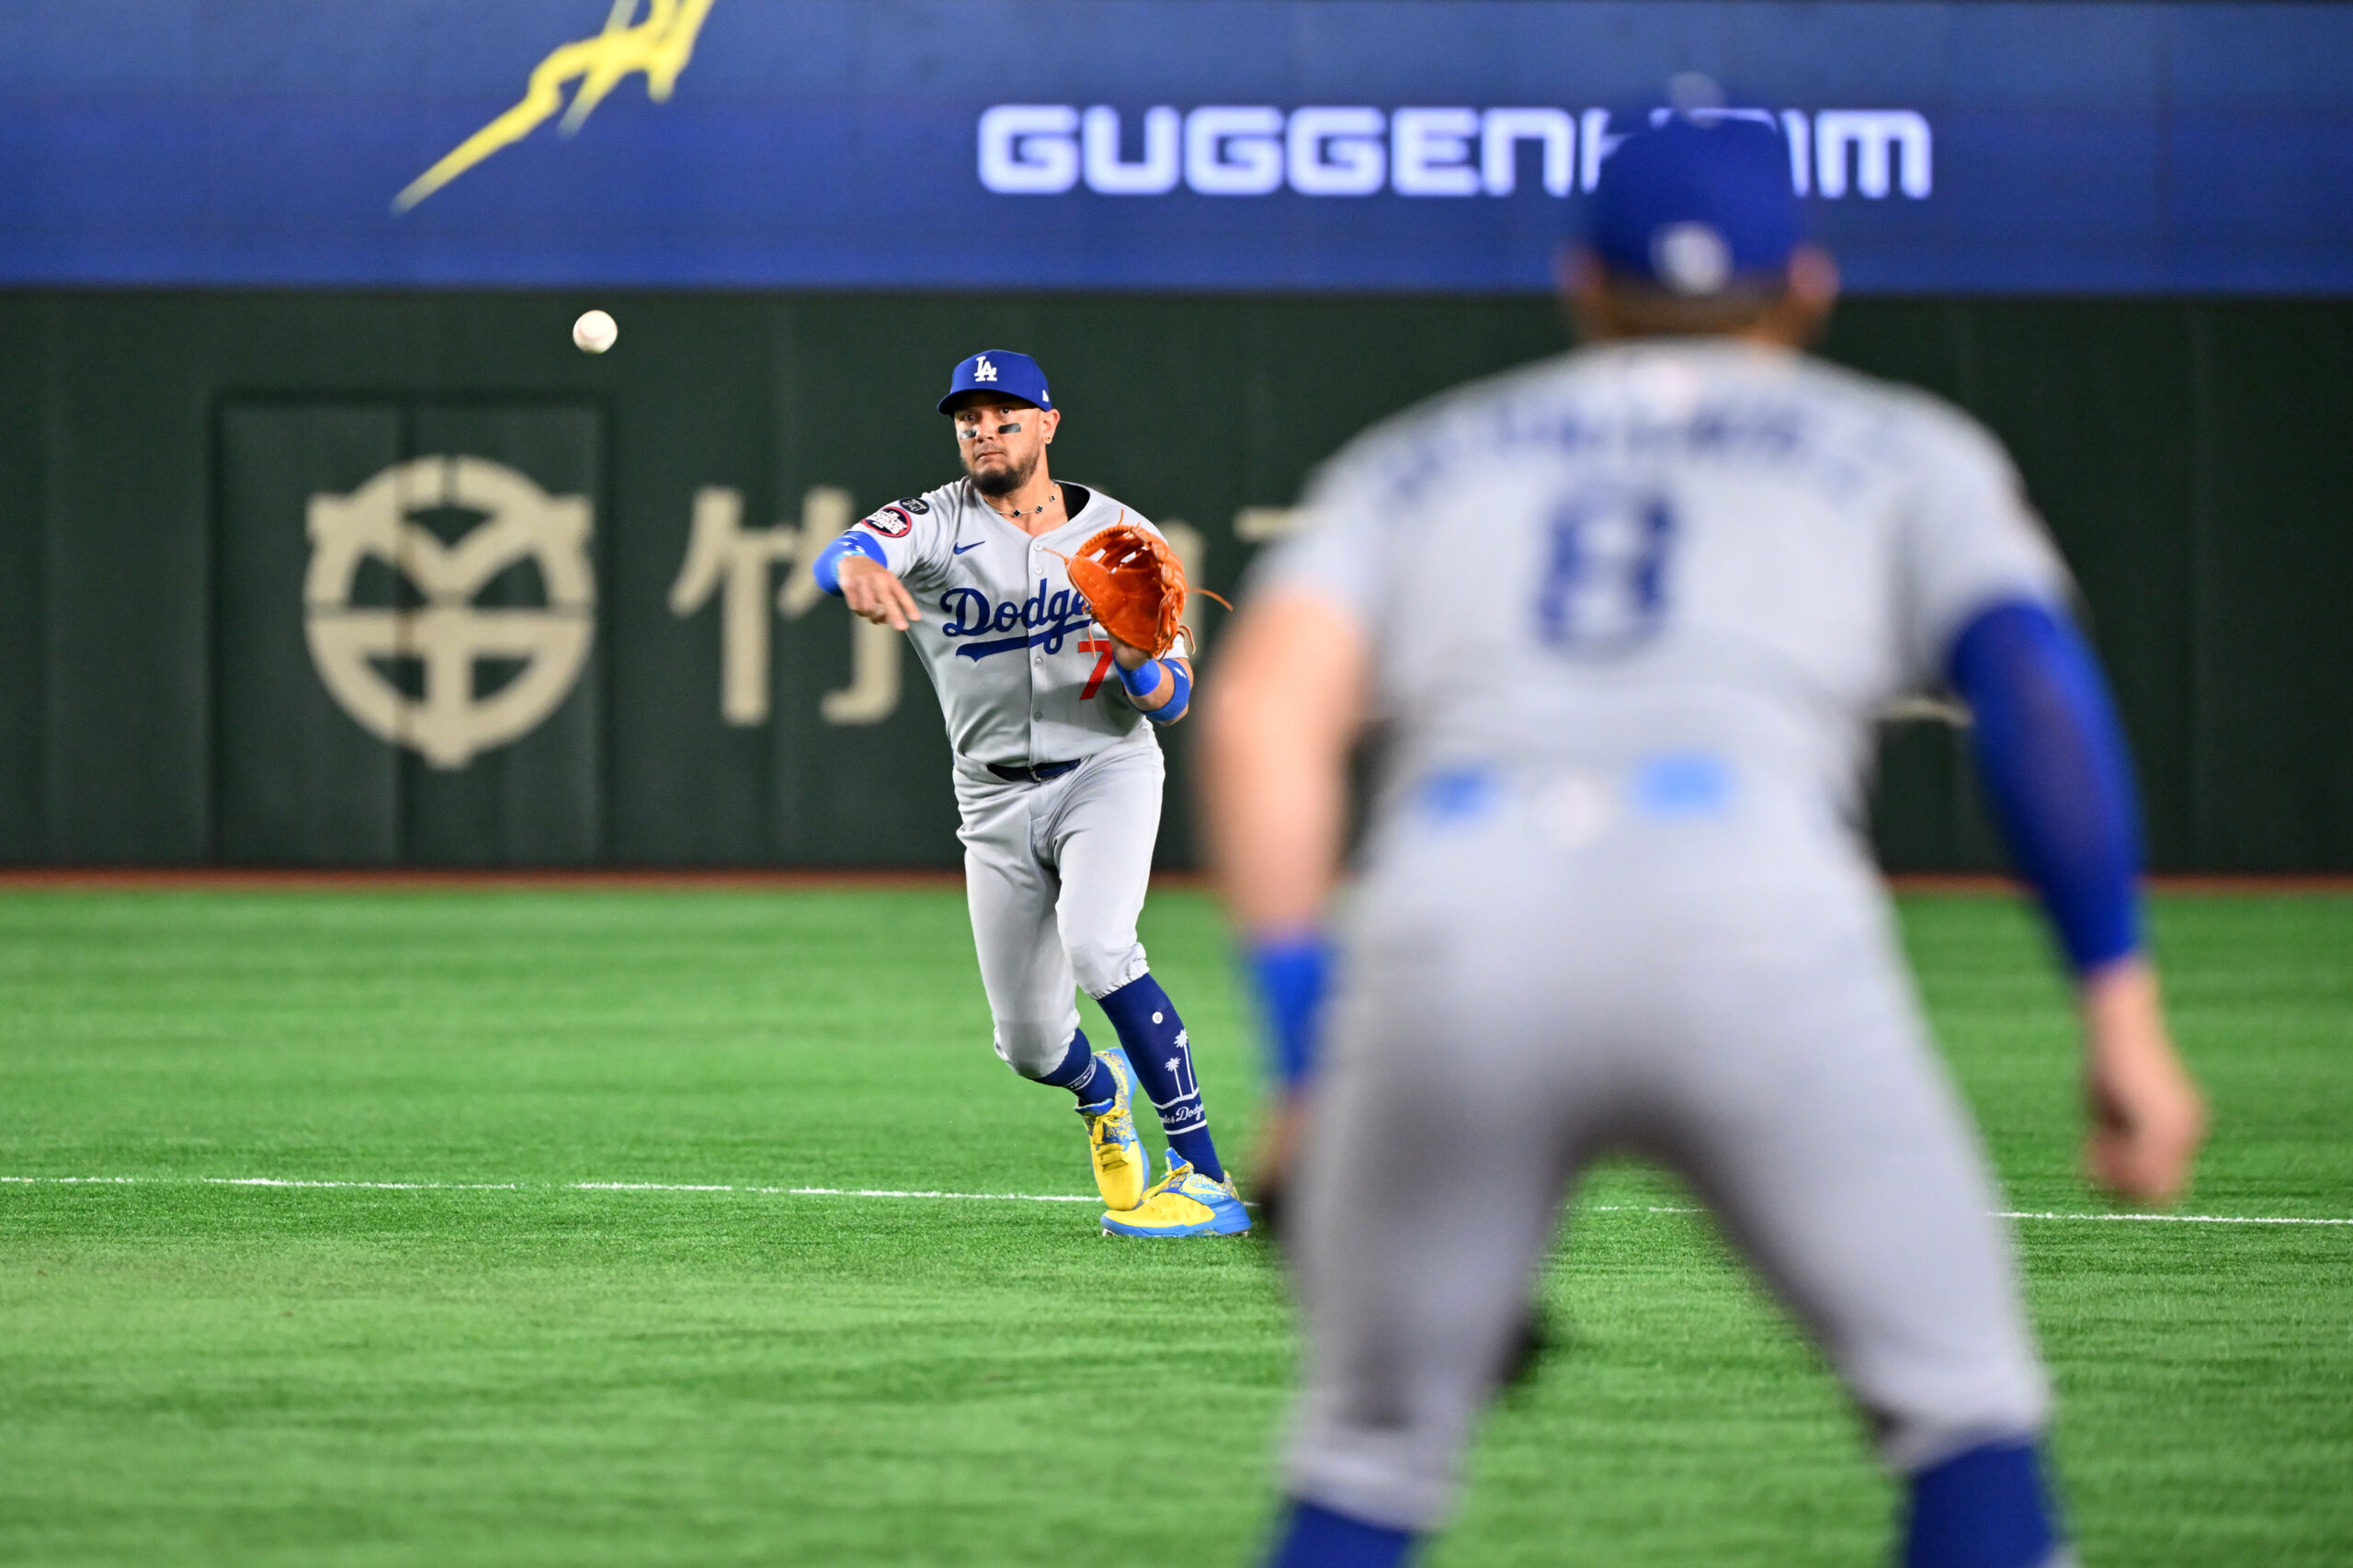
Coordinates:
x,y
561,1186
2026,1215
836,1192
2182,1218
987,1196
262,1181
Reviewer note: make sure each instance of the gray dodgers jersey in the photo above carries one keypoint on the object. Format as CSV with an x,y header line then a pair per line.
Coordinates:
x,y
1687,546
1023,672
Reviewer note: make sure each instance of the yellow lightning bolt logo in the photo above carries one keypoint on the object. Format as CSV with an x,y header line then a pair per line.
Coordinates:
x,y
660,46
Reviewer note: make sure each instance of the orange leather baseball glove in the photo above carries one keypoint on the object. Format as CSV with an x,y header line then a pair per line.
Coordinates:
x,y
1134,584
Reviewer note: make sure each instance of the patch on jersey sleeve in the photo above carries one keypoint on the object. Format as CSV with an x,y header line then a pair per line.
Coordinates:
x,y
914,504
896,520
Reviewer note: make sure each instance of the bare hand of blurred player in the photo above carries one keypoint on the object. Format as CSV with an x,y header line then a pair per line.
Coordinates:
x,y
1274,1158
873,593
2147,1116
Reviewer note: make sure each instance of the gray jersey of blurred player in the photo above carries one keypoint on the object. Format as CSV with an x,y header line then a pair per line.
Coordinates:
x,y
1630,613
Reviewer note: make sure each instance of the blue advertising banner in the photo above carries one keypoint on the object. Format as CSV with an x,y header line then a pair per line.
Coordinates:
x,y
1148,144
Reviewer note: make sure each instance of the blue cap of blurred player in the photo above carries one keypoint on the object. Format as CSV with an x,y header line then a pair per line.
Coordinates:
x,y
1697,204
1002,371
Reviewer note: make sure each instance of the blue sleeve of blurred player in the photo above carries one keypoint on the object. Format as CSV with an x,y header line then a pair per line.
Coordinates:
x,y
828,569
2051,755
1292,975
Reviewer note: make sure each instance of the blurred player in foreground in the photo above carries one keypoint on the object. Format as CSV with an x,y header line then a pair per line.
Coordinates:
x,y
1058,780
1628,614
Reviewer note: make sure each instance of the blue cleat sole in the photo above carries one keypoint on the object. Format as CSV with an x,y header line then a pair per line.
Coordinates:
x,y
1215,1225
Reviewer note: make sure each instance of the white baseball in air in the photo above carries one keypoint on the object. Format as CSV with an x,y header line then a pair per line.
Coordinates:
x,y
595,331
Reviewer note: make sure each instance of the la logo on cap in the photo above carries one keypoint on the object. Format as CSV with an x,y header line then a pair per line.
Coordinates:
x,y
983,370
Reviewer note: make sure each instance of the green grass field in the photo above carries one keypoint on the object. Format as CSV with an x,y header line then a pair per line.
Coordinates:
x,y
510,1367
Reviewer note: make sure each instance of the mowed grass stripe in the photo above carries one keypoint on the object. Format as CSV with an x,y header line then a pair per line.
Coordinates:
x,y
518,1366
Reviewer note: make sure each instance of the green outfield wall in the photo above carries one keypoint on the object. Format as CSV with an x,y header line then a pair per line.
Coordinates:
x,y
364,579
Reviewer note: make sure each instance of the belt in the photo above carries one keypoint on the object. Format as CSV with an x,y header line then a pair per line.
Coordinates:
x,y
1037,774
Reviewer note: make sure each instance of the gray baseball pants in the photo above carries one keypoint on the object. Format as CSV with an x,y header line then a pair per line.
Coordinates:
x,y
1722,995
1054,875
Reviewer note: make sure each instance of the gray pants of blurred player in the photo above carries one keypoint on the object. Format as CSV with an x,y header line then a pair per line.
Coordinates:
x,y
1055,874
1524,991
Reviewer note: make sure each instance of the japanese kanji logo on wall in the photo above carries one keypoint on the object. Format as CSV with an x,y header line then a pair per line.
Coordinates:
x,y
448,635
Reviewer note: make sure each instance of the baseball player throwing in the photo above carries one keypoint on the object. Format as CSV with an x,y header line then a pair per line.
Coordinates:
x,y
1629,614
1058,778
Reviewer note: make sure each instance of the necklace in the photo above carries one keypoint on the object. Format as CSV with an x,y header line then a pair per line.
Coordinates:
x,y
1020,512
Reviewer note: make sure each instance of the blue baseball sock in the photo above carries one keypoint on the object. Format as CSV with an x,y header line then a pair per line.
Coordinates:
x,y
1318,1538
1983,1508
1083,1075
1162,1059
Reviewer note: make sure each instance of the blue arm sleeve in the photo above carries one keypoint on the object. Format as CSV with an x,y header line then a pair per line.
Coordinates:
x,y
2052,759
1145,677
828,569
1292,975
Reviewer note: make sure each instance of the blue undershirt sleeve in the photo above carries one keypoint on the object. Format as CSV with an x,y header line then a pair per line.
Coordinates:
x,y
828,569
2053,759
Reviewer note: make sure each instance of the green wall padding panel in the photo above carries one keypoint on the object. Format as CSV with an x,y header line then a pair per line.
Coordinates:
x,y
161,455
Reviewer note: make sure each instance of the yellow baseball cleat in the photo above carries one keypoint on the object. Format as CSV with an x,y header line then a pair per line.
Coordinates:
x,y
1122,1165
1183,1203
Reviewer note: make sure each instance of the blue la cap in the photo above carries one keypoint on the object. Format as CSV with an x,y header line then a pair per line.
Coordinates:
x,y
999,370
1695,203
